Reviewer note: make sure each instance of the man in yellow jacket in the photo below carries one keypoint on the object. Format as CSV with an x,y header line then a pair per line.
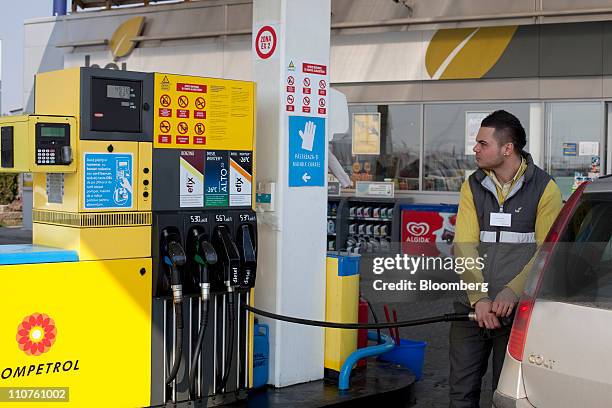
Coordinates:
x,y
505,210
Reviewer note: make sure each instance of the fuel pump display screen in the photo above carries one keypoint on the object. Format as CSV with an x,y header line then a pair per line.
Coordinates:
x,y
116,105
57,132
119,92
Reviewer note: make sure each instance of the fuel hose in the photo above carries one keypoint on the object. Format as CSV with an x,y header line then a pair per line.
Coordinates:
x,y
198,349
448,317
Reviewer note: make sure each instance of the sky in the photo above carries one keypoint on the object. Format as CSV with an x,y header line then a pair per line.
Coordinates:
x,y
14,12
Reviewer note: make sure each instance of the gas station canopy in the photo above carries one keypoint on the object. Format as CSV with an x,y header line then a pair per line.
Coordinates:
x,y
83,4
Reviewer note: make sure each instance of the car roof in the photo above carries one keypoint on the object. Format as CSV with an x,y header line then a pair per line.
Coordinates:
x,y
600,185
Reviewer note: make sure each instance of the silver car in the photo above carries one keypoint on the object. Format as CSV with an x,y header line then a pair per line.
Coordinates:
x,y
560,348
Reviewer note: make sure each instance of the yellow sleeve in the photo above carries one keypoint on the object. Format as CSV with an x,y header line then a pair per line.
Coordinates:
x,y
467,237
548,208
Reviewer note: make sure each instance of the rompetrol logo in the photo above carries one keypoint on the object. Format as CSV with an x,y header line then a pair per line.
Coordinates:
x,y
36,334
122,41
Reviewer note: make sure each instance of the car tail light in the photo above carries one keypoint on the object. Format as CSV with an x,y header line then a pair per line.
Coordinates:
x,y
518,335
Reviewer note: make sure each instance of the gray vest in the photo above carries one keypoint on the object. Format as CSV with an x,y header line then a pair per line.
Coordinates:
x,y
506,250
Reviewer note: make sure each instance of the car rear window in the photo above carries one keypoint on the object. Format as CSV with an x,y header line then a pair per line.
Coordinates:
x,y
580,267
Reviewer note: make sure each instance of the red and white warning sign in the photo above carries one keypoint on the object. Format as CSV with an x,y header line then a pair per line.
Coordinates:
x,y
266,41
306,87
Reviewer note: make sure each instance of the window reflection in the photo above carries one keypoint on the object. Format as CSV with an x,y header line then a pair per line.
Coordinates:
x,y
398,160
447,157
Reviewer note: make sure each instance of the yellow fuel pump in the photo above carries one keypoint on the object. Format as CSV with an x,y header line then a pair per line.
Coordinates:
x,y
144,242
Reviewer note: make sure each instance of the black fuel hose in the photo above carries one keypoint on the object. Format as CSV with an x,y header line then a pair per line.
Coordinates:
x,y
178,346
198,349
448,317
230,353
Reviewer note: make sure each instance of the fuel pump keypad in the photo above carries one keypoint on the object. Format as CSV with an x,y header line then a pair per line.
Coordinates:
x,y
45,156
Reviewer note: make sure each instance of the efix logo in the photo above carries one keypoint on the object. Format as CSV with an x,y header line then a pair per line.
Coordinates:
x,y
418,229
36,334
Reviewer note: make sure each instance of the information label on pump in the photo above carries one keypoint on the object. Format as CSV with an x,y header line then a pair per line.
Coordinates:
x,y
203,113
307,144
108,181
241,179
192,178
216,182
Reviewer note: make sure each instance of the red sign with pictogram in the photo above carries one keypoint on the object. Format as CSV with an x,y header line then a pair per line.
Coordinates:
x,y
182,128
165,100
200,103
164,126
199,128
183,101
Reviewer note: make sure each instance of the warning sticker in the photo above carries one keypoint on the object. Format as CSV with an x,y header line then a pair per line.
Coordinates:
x,y
199,128
224,110
183,101
165,100
216,183
182,128
164,126
200,102
241,178
306,88
191,88
192,178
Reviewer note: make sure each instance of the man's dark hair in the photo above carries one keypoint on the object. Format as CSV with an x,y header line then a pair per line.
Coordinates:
x,y
508,128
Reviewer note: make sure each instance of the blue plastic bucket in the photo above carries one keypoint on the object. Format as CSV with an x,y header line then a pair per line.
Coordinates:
x,y
409,354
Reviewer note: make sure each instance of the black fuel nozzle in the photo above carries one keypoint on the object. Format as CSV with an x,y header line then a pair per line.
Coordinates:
x,y
228,256
248,257
203,254
174,257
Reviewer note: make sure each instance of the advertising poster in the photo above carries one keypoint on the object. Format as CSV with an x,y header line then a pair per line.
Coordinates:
x,y
366,133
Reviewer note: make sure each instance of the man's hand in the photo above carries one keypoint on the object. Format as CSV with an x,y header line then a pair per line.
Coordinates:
x,y
484,316
504,303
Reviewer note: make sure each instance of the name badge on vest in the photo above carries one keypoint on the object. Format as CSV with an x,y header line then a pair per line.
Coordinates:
x,y
500,219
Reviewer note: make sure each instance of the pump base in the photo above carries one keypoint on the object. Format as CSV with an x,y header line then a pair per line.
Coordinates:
x,y
380,383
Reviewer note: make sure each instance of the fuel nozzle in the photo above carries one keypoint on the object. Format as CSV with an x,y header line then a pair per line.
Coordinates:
x,y
204,254
229,257
174,257
248,257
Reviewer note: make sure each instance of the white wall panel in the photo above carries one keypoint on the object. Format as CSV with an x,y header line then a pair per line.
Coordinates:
x,y
377,57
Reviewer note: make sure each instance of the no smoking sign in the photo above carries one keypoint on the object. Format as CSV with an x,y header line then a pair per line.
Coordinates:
x,y
265,41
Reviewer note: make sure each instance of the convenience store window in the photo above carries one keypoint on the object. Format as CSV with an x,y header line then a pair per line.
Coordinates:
x,y
448,140
383,144
574,142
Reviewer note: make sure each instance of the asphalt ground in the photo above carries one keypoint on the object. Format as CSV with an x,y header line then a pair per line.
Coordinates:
x,y
432,389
